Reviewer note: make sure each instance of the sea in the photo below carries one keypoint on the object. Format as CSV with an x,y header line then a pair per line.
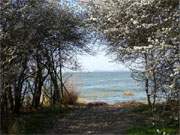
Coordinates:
x,y
109,87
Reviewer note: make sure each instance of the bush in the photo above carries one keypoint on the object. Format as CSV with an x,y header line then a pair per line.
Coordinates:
x,y
70,95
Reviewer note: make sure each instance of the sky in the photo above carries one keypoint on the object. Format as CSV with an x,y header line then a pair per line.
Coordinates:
x,y
100,62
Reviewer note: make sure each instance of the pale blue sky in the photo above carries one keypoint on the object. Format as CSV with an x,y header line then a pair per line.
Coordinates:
x,y
100,62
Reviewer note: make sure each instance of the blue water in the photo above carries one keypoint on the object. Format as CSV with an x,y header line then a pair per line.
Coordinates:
x,y
107,87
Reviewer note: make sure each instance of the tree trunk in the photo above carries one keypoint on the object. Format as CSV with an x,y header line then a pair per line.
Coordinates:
x,y
37,93
10,97
38,86
51,70
18,87
17,100
4,113
147,82
61,78
56,94
155,88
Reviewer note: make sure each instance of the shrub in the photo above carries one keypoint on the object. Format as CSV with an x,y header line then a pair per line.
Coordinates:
x,y
70,94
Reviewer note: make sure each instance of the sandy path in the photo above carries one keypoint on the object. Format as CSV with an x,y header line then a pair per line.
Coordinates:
x,y
96,120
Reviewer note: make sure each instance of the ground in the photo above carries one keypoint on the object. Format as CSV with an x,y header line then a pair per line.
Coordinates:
x,y
130,118
103,119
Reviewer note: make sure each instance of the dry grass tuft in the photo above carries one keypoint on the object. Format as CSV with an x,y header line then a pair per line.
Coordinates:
x,y
70,95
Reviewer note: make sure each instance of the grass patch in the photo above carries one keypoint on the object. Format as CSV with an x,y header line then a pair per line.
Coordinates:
x,y
143,108
147,130
38,122
163,126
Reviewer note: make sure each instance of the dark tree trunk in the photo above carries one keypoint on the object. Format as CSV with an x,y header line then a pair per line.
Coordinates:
x,y
60,72
4,113
37,93
17,100
10,97
38,86
52,73
147,92
18,87
155,89
147,82
61,81
56,94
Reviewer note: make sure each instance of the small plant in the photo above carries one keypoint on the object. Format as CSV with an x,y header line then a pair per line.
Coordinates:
x,y
70,94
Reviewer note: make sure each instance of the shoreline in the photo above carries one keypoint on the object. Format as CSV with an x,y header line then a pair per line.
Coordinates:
x,y
86,101
123,105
